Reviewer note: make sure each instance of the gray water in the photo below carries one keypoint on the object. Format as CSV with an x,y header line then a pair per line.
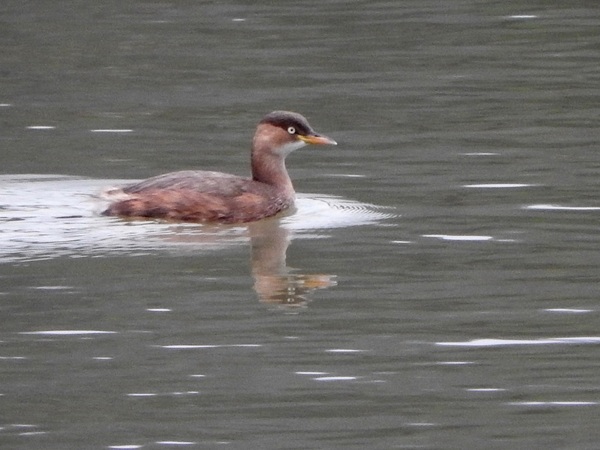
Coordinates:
x,y
437,286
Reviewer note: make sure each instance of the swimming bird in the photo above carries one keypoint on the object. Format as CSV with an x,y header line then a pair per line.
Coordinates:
x,y
205,196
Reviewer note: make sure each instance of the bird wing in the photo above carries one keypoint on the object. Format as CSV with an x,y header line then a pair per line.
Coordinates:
x,y
198,196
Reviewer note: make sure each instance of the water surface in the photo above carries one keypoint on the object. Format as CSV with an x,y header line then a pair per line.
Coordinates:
x,y
436,288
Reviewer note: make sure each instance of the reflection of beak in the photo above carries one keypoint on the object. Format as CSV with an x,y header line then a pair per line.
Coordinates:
x,y
317,139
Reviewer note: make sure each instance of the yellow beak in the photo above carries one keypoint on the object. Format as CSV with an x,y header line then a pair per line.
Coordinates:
x,y
317,139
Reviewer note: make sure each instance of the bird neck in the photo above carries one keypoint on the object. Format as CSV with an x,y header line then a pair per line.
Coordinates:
x,y
269,167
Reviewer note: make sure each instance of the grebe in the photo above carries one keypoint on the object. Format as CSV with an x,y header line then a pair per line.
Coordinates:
x,y
202,196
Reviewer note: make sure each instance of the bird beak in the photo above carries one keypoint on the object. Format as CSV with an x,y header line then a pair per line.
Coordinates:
x,y
317,139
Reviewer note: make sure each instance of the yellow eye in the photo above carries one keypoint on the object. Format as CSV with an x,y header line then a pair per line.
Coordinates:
x,y
291,130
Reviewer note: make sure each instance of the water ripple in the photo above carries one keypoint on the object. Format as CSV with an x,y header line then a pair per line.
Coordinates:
x,y
544,207
48,216
511,342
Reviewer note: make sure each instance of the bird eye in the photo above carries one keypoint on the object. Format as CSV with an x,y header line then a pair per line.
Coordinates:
x,y
291,130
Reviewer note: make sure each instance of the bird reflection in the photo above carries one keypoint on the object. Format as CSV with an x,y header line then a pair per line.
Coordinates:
x,y
275,283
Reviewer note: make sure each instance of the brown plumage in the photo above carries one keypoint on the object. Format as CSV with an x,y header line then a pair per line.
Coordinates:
x,y
202,196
